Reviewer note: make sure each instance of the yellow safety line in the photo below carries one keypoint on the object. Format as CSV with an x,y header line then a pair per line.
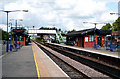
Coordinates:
x,y
38,73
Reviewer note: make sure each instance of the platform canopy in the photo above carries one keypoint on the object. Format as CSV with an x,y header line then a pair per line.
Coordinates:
x,y
91,31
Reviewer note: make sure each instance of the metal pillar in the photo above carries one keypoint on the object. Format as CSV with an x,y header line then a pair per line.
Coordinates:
x,y
111,39
95,36
7,34
111,36
16,36
11,40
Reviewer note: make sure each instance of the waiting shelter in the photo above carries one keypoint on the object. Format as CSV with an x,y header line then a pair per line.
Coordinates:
x,y
87,38
18,37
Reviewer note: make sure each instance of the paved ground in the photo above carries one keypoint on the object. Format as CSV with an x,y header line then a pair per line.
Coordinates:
x,y
47,68
0,49
104,50
3,49
19,64
98,50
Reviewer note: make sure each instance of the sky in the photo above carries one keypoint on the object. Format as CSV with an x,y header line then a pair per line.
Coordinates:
x,y
63,14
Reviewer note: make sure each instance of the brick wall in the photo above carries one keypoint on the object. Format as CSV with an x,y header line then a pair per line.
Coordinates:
x,y
88,44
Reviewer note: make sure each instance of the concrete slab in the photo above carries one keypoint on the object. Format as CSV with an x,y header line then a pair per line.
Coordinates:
x,y
102,51
19,64
47,67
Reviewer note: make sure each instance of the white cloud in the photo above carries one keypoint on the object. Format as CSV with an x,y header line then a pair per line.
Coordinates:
x,y
65,14
107,17
89,7
3,26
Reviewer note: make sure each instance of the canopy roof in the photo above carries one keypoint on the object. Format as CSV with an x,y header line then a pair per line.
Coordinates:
x,y
88,32
19,32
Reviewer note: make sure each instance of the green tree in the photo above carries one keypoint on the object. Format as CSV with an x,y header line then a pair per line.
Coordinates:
x,y
47,28
116,25
71,31
4,35
0,34
107,26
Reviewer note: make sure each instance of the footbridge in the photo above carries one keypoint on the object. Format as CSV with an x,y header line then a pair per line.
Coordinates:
x,y
57,34
37,31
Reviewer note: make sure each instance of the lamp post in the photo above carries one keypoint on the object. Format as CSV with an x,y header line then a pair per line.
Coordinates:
x,y
16,21
11,38
94,31
33,31
115,13
7,46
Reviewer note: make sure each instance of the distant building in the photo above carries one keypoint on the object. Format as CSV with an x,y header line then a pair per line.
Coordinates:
x,y
119,8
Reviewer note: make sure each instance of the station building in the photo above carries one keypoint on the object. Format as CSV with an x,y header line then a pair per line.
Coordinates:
x,y
20,36
85,38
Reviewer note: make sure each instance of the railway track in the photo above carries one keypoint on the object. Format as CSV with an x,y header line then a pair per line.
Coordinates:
x,y
108,60
70,71
106,68
89,72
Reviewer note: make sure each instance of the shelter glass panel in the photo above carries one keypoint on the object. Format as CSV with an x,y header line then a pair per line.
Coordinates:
x,y
19,38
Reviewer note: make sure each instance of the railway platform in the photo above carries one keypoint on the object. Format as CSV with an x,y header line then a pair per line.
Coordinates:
x,y
30,62
19,64
101,51
46,66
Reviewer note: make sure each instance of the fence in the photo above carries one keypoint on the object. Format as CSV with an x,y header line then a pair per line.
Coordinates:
x,y
3,46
